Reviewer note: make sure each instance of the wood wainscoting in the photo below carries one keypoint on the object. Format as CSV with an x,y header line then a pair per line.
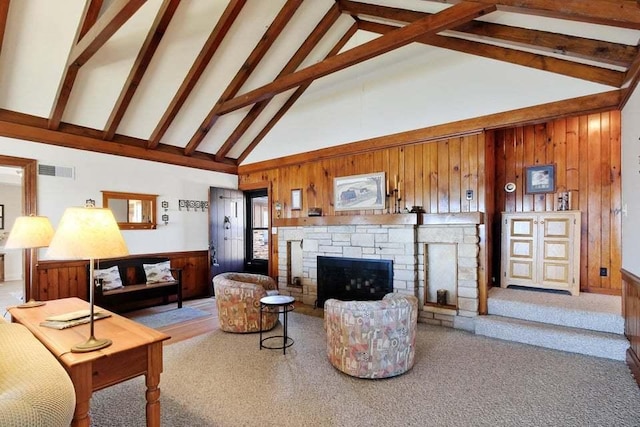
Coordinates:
x,y
631,313
63,279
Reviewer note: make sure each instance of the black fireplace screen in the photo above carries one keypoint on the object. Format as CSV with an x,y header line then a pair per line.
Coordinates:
x,y
352,279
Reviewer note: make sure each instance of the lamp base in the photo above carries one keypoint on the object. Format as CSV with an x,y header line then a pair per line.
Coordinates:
x,y
31,303
91,344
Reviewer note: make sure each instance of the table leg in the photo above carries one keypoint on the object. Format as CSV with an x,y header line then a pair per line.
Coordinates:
x,y
284,330
152,380
260,325
81,378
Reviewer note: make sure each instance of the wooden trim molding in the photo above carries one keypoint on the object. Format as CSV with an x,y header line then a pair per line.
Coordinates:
x,y
386,219
631,314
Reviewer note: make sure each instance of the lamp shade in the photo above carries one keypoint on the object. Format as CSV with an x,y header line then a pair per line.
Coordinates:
x,y
87,233
30,232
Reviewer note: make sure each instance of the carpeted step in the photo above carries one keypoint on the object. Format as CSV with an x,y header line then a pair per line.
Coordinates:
x,y
587,311
575,340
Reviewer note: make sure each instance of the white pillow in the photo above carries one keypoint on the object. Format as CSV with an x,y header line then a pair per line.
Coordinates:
x,y
159,272
110,278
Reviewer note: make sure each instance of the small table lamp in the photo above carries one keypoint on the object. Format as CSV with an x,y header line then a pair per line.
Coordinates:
x,y
30,232
88,233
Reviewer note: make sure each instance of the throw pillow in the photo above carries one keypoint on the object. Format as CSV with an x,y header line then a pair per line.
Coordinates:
x,y
160,272
110,278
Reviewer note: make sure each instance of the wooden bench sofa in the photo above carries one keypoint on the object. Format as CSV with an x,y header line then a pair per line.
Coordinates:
x,y
135,284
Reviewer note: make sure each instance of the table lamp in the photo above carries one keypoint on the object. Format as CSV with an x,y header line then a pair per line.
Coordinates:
x,y
88,233
30,232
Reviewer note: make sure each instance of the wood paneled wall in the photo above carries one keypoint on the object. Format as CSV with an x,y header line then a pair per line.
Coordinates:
x,y
631,313
63,279
586,153
434,175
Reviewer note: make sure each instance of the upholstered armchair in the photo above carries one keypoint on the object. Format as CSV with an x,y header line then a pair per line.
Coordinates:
x,y
238,300
372,339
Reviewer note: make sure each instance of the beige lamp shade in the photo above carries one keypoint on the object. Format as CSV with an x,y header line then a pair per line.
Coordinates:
x,y
30,232
87,233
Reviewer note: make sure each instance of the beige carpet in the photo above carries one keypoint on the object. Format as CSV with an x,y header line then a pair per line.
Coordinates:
x,y
459,379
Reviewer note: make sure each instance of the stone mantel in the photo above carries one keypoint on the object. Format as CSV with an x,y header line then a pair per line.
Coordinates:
x,y
460,218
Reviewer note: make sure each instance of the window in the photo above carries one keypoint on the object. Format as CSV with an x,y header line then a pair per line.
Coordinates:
x,y
257,231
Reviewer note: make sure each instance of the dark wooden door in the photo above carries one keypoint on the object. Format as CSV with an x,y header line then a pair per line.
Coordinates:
x,y
226,231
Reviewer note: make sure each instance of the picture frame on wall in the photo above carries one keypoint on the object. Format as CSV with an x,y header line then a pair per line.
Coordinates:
x,y
296,199
1,217
540,179
358,192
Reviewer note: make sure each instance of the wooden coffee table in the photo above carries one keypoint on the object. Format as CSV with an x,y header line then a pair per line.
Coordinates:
x,y
136,350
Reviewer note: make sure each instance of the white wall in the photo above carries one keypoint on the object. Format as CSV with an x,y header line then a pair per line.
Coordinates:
x,y
96,172
631,184
11,198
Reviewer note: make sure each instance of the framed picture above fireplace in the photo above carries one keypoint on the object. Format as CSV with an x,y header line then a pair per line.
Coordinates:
x,y
356,192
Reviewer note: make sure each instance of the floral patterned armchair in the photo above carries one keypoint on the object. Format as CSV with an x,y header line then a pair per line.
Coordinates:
x,y
372,339
238,300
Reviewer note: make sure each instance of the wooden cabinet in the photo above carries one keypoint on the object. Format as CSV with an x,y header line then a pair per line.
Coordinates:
x,y
541,250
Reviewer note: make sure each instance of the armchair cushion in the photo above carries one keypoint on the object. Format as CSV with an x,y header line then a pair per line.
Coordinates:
x,y
372,339
238,300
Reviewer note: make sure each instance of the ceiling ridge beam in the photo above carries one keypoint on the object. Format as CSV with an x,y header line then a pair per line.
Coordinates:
x,y
617,13
572,46
294,97
250,64
147,51
448,18
31,128
85,46
298,57
564,67
570,107
198,67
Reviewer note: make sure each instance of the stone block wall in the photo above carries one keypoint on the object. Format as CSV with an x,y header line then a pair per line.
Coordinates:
x,y
403,244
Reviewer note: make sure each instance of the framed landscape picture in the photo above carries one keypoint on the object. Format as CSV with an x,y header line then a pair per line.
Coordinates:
x,y
540,179
358,192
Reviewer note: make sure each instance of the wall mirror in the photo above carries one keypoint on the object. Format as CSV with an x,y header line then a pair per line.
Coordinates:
x,y
133,211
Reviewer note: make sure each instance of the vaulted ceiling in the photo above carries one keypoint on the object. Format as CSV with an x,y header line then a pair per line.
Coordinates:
x,y
204,83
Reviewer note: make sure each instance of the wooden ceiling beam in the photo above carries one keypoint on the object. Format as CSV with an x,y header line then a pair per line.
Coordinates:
x,y
148,49
267,40
546,63
31,128
432,24
522,116
294,97
617,13
571,46
210,47
87,44
4,14
303,51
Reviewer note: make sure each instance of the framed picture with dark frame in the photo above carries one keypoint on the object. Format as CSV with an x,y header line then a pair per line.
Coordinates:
x,y
296,199
540,179
1,217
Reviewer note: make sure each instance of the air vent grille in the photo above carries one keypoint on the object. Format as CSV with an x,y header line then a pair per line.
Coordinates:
x,y
58,171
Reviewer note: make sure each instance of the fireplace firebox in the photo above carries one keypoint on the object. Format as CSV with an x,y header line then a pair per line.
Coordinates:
x,y
351,279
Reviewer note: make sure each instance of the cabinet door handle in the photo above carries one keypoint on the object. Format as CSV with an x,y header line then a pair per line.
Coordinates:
x,y
542,222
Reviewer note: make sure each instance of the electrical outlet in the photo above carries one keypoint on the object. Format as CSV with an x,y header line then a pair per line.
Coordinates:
x,y
603,271
469,194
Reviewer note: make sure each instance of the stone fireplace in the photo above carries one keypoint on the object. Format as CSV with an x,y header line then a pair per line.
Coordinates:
x,y
428,252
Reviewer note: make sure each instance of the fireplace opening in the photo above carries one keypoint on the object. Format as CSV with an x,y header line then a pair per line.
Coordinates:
x,y
356,279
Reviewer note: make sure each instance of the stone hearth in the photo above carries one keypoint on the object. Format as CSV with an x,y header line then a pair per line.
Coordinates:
x,y
425,258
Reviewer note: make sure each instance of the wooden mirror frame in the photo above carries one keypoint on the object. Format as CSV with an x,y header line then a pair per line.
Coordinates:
x,y
151,225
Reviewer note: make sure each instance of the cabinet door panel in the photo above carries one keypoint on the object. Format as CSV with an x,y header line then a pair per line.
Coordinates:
x,y
522,227
555,250
556,227
522,270
522,248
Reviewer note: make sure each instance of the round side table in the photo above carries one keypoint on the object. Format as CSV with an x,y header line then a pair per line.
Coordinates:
x,y
283,304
